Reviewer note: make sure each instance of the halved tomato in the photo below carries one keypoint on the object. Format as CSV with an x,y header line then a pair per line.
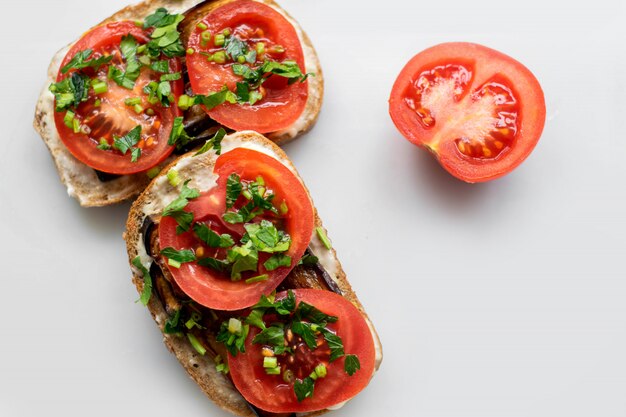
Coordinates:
x,y
214,289
106,115
477,110
274,394
253,23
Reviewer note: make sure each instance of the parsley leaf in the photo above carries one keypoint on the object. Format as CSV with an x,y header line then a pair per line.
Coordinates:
x,y
243,258
172,324
235,342
266,238
215,142
165,37
71,91
233,189
128,141
276,261
181,256
304,330
127,78
211,238
334,343
216,264
351,364
308,312
235,48
160,66
135,154
308,259
81,60
175,208
273,335
215,99
146,293
304,388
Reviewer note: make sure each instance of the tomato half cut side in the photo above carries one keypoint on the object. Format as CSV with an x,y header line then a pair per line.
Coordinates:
x,y
214,288
272,393
480,112
112,114
267,34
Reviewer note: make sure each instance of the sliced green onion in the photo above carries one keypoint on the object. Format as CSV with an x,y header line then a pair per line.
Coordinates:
x,y
131,101
153,100
262,191
103,145
322,235
260,180
277,49
196,344
241,59
141,48
219,39
258,278
226,32
184,102
150,111
173,178
139,23
247,194
100,87
283,208
260,48
75,125
209,57
272,371
173,263
97,103
205,37
69,118
219,57
138,109
320,370
190,51
288,376
145,60
201,26
313,375
223,368
153,172
270,362
234,325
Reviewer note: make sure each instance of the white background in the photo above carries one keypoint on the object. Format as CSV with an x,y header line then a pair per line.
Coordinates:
x,y
502,299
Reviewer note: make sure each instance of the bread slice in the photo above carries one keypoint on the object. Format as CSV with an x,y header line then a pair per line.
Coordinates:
x,y
150,204
82,181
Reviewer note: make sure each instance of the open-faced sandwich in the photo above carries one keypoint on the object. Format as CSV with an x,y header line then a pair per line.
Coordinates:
x,y
149,82
232,261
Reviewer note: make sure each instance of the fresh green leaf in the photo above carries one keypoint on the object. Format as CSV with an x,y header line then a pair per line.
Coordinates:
x,y
308,259
215,264
334,343
81,60
243,258
175,208
306,311
234,342
196,344
303,388
255,318
215,99
128,46
127,78
233,189
182,256
172,324
160,66
71,91
266,238
135,154
304,330
276,261
128,141
165,37
232,217
171,77
214,143
235,47
273,335
146,293
211,238
351,364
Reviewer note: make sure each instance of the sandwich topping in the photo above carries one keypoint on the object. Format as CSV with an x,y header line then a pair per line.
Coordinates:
x,y
227,246
246,64
115,93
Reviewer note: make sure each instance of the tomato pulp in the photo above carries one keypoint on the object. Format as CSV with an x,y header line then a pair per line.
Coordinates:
x,y
477,110
108,115
272,393
293,216
271,37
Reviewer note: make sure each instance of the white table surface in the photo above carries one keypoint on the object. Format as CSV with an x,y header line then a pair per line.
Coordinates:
x,y
496,300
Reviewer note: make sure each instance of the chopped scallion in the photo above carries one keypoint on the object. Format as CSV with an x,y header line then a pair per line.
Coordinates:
x,y
258,278
201,26
322,235
153,172
219,39
100,87
173,263
196,344
173,178
270,362
234,325
272,371
219,57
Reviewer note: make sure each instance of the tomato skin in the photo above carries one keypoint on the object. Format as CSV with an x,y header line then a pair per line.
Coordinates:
x,y
270,393
85,149
218,292
283,103
486,63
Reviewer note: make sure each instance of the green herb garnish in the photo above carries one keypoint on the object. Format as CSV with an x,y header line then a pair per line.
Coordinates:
x,y
146,293
81,60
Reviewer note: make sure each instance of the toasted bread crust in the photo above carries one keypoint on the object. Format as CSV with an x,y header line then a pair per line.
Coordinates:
x,y
213,384
82,182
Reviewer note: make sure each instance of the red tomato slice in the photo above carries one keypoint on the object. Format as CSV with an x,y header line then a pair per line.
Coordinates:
x,y
252,22
214,289
477,110
271,393
113,116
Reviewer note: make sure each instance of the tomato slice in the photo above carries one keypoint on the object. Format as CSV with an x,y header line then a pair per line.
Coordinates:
x,y
271,392
477,110
106,115
215,289
252,22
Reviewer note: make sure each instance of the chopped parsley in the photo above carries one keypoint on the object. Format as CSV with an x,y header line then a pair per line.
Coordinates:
x,y
176,208
165,38
81,60
304,388
71,91
127,78
212,239
146,293
129,142
181,256
214,143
